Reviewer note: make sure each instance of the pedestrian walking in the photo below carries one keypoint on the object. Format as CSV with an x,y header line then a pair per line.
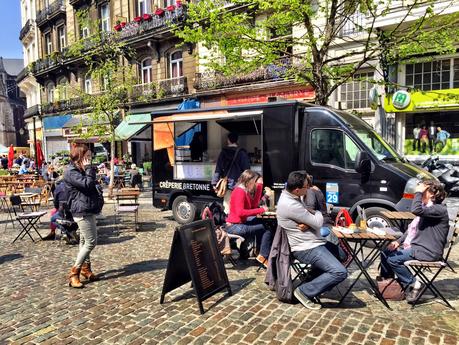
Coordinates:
x,y
85,201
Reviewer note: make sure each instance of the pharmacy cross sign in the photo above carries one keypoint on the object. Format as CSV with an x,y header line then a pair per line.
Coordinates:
x,y
401,99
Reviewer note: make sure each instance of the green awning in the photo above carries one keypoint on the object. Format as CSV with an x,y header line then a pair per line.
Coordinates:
x,y
132,125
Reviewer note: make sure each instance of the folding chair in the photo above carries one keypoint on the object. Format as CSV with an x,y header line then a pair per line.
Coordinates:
x,y
421,268
26,220
301,271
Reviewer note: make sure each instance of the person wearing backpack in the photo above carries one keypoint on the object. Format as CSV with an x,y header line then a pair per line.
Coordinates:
x,y
85,202
231,162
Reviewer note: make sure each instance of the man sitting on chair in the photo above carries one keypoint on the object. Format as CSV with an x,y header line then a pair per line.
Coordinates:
x,y
306,243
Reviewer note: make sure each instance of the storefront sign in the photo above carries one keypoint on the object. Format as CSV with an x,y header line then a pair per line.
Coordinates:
x,y
301,94
421,101
401,99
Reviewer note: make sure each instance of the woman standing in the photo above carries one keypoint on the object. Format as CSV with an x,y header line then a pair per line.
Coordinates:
x,y
85,201
244,204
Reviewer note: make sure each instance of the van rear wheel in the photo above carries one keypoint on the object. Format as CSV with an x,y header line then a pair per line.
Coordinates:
x,y
375,219
183,210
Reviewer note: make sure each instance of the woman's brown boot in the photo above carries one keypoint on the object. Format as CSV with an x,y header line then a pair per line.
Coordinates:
x,y
87,273
74,278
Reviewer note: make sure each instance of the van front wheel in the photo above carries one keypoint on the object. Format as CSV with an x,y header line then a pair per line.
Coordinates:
x,y
183,210
375,219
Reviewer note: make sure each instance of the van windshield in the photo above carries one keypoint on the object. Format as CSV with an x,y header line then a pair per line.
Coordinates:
x,y
382,150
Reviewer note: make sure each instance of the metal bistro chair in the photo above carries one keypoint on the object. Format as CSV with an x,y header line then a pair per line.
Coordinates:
x,y
26,220
421,269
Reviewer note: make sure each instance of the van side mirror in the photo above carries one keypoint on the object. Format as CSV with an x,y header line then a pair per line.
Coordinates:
x,y
362,163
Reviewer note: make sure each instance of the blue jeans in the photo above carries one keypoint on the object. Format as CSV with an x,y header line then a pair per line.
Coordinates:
x,y
392,263
329,271
254,229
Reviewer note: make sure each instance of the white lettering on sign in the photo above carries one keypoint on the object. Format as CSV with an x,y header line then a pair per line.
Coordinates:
x,y
184,185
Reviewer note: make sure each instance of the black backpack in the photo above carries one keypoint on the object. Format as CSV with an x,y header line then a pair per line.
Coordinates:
x,y
214,211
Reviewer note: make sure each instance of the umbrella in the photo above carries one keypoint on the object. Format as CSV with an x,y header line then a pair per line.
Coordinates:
x,y
39,155
3,149
10,157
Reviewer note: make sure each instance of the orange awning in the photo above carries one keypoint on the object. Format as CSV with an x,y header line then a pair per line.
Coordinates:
x,y
163,134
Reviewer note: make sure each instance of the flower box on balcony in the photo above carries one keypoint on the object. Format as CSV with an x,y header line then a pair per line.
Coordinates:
x,y
138,19
170,8
123,24
118,27
147,17
159,12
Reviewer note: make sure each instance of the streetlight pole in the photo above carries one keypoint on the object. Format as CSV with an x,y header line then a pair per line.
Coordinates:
x,y
35,146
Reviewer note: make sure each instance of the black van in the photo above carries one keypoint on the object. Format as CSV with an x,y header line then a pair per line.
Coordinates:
x,y
348,160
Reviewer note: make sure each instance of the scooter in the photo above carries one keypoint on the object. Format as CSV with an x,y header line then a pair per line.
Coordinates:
x,y
446,173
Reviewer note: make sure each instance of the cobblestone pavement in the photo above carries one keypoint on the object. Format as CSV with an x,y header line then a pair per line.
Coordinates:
x,y
36,305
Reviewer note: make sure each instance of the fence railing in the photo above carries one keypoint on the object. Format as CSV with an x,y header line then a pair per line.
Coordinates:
x,y
214,80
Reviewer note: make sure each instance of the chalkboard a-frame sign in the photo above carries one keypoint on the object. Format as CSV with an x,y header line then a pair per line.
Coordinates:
x,y
195,257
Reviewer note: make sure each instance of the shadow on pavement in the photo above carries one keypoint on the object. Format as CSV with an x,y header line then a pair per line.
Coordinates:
x,y
236,287
111,239
10,257
138,267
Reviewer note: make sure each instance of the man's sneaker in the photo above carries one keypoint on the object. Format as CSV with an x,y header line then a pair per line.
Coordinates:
x,y
413,294
306,301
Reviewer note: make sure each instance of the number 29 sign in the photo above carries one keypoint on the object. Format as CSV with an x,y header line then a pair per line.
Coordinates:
x,y
332,193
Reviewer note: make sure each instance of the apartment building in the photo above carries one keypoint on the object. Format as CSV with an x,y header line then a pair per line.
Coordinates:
x,y
26,81
164,68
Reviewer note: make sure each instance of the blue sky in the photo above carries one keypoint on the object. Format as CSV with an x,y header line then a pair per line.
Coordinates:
x,y
10,17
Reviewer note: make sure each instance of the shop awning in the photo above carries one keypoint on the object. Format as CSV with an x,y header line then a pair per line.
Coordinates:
x,y
132,125
205,116
55,122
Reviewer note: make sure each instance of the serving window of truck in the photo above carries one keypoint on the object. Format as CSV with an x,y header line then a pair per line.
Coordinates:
x,y
193,141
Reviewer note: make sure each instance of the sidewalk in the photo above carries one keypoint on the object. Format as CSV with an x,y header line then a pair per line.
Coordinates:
x,y
36,305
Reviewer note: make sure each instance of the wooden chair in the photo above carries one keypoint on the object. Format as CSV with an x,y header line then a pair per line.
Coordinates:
x,y
428,271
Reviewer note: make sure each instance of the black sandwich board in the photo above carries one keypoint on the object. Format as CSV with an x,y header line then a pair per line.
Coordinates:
x,y
195,257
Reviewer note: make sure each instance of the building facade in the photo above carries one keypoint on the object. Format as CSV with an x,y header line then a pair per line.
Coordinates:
x,y
26,81
12,104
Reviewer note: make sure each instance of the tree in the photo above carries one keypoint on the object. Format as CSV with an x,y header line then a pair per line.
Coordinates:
x,y
307,36
104,59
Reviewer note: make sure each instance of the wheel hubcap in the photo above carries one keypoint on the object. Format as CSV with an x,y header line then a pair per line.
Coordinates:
x,y
377,222
184,210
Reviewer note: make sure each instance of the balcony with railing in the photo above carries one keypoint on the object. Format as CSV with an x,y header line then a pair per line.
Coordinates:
x,y
63,106
214,80
173,87
78,3
54,10
26,29
161,19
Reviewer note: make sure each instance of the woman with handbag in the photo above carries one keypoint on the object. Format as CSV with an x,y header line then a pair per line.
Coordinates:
x,y
243,208
85,202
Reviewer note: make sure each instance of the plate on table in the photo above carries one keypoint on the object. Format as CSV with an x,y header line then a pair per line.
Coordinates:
x,y
345,230
377,231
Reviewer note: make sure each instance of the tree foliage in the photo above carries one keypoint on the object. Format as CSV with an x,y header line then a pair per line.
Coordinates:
x,y
104,60
242,36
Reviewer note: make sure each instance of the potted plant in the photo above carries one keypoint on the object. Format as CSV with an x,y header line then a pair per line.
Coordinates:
x,y
170,8
159,12
117,27
138,19
146,17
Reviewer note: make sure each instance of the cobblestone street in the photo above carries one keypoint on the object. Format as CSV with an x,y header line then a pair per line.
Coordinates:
x,y
37,306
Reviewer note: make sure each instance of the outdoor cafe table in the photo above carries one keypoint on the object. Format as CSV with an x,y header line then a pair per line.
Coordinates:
x,y
359,240
400,219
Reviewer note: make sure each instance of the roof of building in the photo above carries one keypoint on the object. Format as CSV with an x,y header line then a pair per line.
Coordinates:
x,y
13,66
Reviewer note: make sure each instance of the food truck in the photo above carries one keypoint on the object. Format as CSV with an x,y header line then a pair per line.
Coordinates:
x,y
349,161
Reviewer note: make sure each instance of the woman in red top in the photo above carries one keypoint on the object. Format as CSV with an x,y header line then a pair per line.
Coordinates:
x,y
243,208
